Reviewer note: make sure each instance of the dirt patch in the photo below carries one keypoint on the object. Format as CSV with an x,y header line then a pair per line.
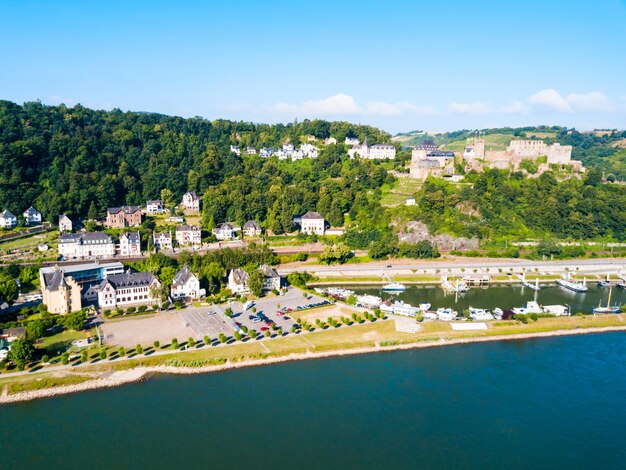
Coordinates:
x,y
160,327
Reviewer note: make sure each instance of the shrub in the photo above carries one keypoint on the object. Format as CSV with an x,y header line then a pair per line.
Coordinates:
x,y
223,338
106,313
131,310
83,356
45,359
139,349
237,336
207,340
103,354
268,334
253,334
65,359
165,305
174,343
142,308
178,305
155,307
191,342
156,344
121,352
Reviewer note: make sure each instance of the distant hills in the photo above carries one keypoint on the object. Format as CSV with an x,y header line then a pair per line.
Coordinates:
x,y
601,149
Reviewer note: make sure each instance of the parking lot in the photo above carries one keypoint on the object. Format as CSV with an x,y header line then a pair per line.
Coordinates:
x,y
266,309
204,323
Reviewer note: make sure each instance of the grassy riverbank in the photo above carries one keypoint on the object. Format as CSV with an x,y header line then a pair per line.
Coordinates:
x,y
366,337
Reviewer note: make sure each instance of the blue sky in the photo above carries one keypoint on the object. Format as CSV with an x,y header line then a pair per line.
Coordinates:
x,y
399,65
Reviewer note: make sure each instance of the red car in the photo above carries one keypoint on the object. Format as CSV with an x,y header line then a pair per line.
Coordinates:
x,y
264,328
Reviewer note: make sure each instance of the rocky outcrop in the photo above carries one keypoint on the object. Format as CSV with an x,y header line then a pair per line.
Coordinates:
x,y
417,231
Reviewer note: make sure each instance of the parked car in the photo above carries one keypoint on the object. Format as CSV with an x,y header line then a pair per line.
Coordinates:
x,y
264,328
256,320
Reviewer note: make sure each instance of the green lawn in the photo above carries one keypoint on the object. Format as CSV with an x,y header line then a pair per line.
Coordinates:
x,y
60,342
402,188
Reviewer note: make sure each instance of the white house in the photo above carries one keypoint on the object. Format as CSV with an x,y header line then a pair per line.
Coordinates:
x,y
7,219
155,207
191,201
226,231
186,285
188,235
65,224
330,140
250,151
265,152
127,290
32,216
252,229
382,151
410,201
271,279
162,241
238,281
130,244
235,149
313,222
351,141
86,245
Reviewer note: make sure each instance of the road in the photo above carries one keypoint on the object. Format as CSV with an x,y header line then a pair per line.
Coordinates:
x,y
458,266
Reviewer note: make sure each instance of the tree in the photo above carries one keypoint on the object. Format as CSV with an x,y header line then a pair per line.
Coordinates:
x,y
549,247
207,340
92,213
168,198
255,282
175,343
84,356
223,338
8,287
22,350
156,344
103,354
121,352
65,359
139,349
191,342
75,320
45,359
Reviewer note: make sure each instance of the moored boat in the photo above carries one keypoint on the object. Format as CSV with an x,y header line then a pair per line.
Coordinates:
x,y
394,286
609,308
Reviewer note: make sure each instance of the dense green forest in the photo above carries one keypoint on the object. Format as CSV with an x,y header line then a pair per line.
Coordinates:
x,y
64,159
499,204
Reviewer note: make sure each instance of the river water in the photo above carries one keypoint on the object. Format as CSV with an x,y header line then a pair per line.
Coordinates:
x,y
541,404
500,295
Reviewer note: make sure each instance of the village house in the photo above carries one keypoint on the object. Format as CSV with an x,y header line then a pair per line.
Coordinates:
x,y
351,141
86,245
125,216
271,279
226,231
188,235
410,201
250,151
312,222
7,219
32,216
252,229
382,151
130,244
265,152
127,290
65,224
162,241
155,207
330,141
186,285
235,149
191,201
238,281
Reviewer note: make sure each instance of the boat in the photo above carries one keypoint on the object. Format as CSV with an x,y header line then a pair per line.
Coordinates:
x,y
394,286
604,282
497,313
621,275
556,310
530,285
531,307
480,314
424,306
446,314
572,285
447,286
608,308
368,301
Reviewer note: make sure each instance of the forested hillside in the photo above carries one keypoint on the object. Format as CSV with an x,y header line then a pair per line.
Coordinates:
x,y
67,159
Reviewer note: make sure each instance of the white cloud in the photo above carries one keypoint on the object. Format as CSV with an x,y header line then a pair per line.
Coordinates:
x,y
515,107
593,102
552,100
469,108
381,108
342,105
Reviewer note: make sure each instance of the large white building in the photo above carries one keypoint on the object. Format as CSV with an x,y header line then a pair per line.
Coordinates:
x,y
127,290
32,216
381,152
188,235
186,285
90,245
226,231
65,223
130,244
238,281
155,207
313,222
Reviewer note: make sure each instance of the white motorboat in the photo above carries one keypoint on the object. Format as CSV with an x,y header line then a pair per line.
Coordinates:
x,y
531,307
480,314
424,306
446,314
394,287
569,283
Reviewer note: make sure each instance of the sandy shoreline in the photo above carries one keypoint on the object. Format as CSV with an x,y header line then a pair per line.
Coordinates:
x,y
118,378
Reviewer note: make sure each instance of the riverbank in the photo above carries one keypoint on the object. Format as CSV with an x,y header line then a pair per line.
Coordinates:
x,y
116,378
